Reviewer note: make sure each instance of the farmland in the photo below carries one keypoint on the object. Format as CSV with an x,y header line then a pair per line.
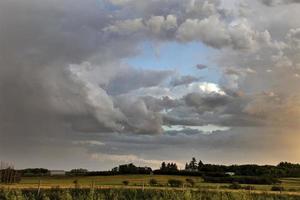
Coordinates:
x,y
290,184
203,181
112,187
87,181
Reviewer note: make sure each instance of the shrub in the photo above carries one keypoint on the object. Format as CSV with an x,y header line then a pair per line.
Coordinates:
x,y
277,188
235,186
175,183
153,182
125,182
190,181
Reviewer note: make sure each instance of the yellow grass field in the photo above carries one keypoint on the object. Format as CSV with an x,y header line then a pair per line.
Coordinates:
x,y
136,181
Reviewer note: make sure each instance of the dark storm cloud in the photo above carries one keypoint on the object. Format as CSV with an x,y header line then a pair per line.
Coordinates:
x,y
65,92
209,101
130,79
159,104
39,96
182,80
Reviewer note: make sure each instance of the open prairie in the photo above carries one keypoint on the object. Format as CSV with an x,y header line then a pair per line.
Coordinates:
x,y
140,181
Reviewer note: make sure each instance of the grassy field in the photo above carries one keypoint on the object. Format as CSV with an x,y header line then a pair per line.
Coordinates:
x,y
289,184
108,186
138,194
84,181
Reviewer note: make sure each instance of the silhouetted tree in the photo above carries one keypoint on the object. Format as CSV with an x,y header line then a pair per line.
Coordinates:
x,y
200,165
186,166
163,166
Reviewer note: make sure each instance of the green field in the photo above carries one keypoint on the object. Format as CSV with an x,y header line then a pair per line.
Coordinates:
x,y
87,181
112,187
289,184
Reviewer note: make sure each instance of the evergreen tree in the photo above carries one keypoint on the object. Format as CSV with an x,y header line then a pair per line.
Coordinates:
x,y
200,165
163,166
193,164
186,166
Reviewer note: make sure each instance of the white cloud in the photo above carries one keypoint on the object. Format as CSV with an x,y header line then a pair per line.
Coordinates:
x,y
207,129
126,27
157,24
89,142
210,30
179,91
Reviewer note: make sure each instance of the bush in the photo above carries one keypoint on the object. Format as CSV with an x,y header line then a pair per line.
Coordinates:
x,y
175,183
277,188
153,182
190,181
235,186
125,182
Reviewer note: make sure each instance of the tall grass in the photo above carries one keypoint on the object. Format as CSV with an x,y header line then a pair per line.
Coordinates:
x,y
135,194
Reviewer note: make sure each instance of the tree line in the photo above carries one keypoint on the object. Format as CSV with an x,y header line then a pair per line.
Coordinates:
x,y
192,168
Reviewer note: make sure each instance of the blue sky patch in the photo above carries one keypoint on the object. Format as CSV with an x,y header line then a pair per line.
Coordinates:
x,y
180,57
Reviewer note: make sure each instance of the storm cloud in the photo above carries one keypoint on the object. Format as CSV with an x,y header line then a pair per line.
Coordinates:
x,y
66,86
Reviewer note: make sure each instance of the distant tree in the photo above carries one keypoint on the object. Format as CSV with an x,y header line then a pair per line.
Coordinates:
x,y
78,172
34,172
192,166
163,166
128,169
115,169
200,165
131,169
186,166
173,167
168,166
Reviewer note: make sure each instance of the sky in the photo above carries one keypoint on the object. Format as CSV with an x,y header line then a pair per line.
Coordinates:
x,y
97,83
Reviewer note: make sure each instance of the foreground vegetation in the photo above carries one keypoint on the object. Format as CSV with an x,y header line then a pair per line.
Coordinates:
x,y
136,194
144,187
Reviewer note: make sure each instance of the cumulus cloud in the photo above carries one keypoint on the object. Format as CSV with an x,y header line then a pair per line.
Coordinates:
x,y
158,26
63,79
278,2
182,80
126,27
216,33
210,30
129,79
